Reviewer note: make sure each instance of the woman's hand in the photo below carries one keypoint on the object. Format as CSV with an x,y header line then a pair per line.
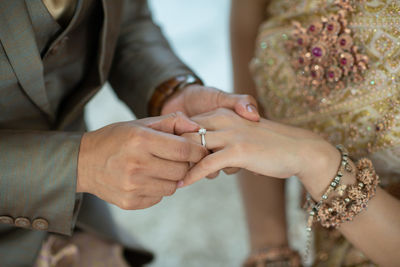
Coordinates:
x,y
264,147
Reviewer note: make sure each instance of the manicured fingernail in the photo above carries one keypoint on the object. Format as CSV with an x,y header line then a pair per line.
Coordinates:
x,y
251,108
180,184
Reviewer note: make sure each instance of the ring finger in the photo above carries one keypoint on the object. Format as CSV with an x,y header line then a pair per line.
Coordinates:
x,y
213,140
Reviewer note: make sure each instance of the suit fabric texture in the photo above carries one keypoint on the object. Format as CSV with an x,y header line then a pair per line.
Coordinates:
x,y
47,75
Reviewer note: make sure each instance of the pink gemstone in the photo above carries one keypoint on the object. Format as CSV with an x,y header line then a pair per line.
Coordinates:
x,y
317,51
312,28
331,74
330,27
343,42
300,41
343,61
301,60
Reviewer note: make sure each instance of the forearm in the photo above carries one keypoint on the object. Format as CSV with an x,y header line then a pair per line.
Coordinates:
x,y
246,16
143,58
376,230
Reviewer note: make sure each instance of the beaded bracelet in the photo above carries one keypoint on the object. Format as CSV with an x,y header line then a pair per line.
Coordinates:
x,y
314,207
353,200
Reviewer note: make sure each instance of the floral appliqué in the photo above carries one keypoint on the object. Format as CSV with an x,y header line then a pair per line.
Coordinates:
x,y
324,55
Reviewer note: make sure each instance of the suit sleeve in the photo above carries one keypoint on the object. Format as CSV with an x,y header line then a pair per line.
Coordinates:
x,y
38,178
143,58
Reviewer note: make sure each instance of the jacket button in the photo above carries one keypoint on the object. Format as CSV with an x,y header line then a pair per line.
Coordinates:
x,y
40,224
6,220
22,222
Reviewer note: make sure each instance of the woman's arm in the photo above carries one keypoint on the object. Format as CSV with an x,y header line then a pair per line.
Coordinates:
x,y
263,197
281,151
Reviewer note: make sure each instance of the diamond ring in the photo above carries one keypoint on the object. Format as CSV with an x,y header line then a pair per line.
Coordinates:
x,y
202,133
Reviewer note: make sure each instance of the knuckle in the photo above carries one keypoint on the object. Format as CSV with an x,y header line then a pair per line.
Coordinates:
x,y
179,114
135,166
202,165
184,169
249,98
129,185
169,190
156,201
126,204
184,150
219,97
174,115
136,136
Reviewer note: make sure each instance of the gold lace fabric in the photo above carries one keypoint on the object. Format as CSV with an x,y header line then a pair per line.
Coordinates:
x,y
364,115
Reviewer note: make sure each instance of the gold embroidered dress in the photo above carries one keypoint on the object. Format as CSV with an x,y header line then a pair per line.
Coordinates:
x,y
334,67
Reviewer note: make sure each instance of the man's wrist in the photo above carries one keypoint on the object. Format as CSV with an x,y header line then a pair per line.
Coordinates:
x,y
169,89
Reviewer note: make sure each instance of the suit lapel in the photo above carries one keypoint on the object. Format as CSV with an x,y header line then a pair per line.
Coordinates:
x,y
18,39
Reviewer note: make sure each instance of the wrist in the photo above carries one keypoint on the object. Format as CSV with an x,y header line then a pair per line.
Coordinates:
x,y
167,89
81,171
320,163
174,103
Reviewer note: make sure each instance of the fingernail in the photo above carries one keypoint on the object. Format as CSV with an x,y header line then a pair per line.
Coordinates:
x,y
180,184
251,108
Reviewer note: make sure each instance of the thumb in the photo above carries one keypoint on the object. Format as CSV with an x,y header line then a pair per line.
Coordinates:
x,y
173,123
244,105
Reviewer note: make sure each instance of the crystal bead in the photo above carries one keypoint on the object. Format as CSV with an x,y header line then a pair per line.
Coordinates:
x,y
324,197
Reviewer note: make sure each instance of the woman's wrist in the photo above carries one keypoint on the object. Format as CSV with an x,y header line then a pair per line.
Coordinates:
x,y
320,164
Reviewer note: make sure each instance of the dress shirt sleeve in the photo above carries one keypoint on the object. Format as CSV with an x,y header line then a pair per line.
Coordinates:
x,y
143,58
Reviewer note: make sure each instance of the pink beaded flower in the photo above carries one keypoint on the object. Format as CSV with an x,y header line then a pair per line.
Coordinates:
x,y
324,54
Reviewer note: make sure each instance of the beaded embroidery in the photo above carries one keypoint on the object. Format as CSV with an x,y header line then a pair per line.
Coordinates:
x,y
364,115
324,55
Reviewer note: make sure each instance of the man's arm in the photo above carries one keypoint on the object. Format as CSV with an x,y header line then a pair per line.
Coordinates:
x,y
38,180
143,59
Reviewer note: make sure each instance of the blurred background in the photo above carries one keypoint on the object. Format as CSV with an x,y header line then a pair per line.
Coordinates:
x,y
203,225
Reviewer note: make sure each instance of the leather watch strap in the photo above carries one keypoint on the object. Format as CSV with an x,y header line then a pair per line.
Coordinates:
x,y
167,89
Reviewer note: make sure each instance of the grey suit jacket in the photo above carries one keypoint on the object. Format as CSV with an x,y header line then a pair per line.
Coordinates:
x,y
41,124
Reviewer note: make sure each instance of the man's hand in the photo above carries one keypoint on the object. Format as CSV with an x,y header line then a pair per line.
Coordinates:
x,y
134,164
197,99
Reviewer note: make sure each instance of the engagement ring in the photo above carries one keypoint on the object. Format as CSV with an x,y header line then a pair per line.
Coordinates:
x,y
202,133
